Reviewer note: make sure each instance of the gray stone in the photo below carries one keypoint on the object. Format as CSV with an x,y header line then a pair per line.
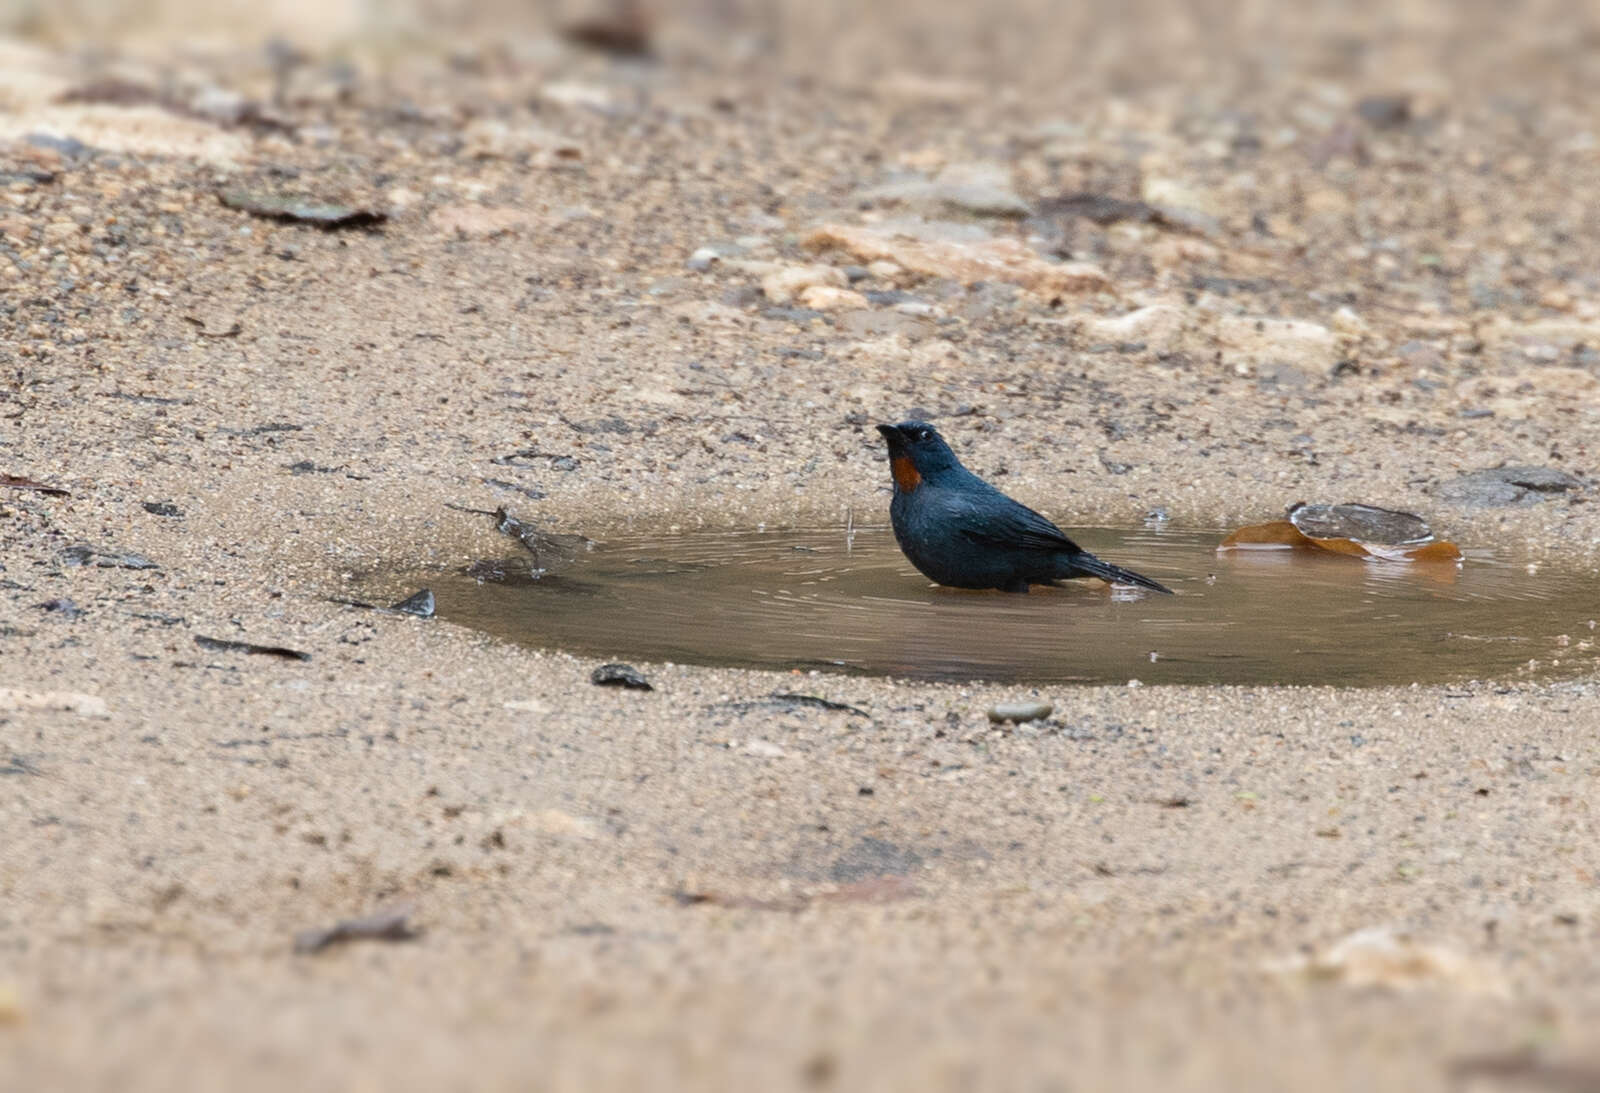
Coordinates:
x,y
1363,523
871,857
889,298
625,676
1501,486
879,324
791,314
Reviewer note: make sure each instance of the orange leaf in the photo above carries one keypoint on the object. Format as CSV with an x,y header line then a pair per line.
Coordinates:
x,y
1277,533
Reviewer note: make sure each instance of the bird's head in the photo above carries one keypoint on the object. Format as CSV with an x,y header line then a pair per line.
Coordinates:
x,y
916,451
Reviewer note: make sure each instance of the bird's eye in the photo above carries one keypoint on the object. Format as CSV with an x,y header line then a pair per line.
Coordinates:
x,y
924,434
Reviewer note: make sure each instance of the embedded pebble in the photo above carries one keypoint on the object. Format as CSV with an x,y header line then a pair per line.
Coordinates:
x,y
1507,486
1259,340
1385,111
831,298
85,705
938,250
784,285
982,189
470,221
1347,322
303,210
491,138
1019,712
1389,959
83,554
703,259
420,603
791,314
1158,327
620,675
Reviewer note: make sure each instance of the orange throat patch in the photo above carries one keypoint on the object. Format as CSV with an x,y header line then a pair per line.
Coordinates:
x,y
905,473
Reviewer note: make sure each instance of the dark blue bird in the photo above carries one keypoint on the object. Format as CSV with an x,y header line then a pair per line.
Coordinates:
x,y
960,531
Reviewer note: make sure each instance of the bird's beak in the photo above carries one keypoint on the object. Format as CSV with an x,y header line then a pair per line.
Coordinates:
x,y
891,433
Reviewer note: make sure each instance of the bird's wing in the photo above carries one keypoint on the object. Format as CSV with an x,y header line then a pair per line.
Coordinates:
x,y
997,520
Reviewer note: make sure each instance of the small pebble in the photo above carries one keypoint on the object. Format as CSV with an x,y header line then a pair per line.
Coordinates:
x,y
832,298
786,283
703,259
1019,711
421,604
620,675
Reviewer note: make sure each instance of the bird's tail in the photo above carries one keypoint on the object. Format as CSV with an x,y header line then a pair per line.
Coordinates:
x,y
1086,564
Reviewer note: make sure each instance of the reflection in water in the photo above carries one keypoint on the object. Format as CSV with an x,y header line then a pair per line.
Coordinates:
x,y
807,599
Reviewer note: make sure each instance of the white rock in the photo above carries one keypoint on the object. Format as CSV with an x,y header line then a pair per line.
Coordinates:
x,y
1381,957
479,221
1160,327
1172,252
1169,193
703,259
960,253
1347,322
15,699
832,298
784,284
1564,334
132,130
219,104
571,93
491,138
553,821
983,189
1020,711
1251,341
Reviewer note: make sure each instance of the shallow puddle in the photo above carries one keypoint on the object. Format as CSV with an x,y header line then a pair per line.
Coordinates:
x,y
810,599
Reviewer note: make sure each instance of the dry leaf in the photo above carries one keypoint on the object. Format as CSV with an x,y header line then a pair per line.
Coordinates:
x,y
1362,531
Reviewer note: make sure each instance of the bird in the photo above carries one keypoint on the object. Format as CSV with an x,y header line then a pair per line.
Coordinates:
x,y
962,532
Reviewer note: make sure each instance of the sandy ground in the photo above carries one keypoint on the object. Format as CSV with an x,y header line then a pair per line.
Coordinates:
x,y
1359,263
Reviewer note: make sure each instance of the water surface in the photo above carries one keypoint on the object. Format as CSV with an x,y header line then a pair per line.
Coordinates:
x,y
822,599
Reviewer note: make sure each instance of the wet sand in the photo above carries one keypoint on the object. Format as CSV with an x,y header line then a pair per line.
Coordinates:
x,y
1355,262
